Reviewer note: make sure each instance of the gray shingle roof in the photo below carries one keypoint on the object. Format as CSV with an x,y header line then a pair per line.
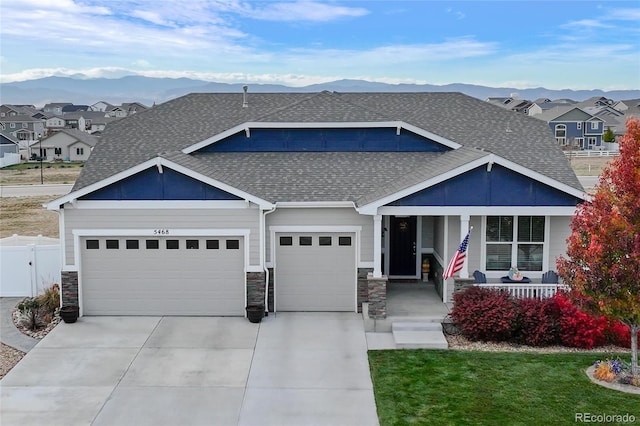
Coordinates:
x,y
180,123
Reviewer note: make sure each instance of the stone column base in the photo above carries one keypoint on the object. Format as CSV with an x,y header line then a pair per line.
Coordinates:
x,y
377,289
69,288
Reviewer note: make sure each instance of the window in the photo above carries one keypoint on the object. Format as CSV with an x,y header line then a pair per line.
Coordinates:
x,y
591,141
57,151
324,241
305,241
193,244
213,244
25,125
561,134
113,244
344,241
579,125
93,244
233,244
153,244
173,244
79,151
524,251
594,125
286,241
133,244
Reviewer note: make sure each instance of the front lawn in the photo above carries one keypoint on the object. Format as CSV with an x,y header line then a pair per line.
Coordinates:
x,y
490,388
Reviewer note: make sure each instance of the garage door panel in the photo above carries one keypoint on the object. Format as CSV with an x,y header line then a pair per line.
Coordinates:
x,y
163,281
314,277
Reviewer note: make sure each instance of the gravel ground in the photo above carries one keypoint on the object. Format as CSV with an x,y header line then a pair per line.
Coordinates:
x,y
8,358
458,342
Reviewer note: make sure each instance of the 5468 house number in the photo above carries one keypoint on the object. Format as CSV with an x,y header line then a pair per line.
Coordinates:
x,y
160,232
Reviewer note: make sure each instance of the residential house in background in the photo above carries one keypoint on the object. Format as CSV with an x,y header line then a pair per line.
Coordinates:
x,y
573,127
64,145
308,202
55,108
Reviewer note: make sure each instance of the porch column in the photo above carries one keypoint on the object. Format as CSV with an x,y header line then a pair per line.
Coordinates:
x,y
464,228
377,246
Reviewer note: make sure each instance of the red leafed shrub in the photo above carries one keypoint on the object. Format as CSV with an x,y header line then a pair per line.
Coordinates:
x,y
577,328
538,322
485,314
619,334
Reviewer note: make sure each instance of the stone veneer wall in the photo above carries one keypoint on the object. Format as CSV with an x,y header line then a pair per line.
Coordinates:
x,y
271,288
255,288
461,284
69,280
377,297
363,286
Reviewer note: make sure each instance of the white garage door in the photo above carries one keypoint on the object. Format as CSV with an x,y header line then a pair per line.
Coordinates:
x,y
162,276
315,272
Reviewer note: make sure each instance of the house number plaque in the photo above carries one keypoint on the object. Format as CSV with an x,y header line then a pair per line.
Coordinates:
x,y
160,232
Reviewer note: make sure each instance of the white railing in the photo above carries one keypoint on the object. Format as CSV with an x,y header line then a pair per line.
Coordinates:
x,y
591,153
522,291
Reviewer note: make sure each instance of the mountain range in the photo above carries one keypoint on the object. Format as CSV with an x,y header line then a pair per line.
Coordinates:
x,y
148,90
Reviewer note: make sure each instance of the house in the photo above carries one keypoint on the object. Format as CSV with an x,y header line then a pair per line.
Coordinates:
x,y
66,145
8,145
308,202
100,106
512,103
55,108
574,127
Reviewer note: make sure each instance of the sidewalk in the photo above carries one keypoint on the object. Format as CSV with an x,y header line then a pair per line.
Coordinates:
x,y
9,334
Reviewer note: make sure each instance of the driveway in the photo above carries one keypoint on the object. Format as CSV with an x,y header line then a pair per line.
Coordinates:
x,y
292,369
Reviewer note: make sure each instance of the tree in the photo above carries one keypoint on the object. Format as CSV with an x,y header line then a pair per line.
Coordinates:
x,y
608,135
603,249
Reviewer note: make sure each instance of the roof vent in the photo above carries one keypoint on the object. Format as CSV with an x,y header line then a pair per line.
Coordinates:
x,y
245,104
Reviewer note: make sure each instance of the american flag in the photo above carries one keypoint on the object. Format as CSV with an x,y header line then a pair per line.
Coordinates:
x,y
458,259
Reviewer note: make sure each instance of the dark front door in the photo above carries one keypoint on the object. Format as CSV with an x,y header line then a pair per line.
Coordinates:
x,y
402,246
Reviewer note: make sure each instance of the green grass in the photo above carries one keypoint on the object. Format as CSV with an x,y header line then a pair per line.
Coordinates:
x,y
428,387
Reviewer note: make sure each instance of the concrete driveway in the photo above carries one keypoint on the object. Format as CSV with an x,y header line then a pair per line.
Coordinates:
x,y
292,369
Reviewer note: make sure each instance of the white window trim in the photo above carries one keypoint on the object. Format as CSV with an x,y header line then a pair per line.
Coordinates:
x,y
579,124
514,247
594,125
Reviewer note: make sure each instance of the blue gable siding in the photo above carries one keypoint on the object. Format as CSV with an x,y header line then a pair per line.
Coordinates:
x,y
499,187
319,140
152,185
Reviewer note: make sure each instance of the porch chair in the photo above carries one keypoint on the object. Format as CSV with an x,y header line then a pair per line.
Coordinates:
x,y
479,277
550,277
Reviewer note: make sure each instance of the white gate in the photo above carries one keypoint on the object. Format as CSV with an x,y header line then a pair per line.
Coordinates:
x,y
28,265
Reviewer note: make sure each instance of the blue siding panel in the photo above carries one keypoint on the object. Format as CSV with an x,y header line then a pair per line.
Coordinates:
x,y
152,185
500,187
326,140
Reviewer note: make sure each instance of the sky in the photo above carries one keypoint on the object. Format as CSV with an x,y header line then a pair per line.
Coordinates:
x,y
520,44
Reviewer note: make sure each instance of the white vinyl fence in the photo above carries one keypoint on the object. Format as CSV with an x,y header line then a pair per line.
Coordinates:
x,y
9,159
28,265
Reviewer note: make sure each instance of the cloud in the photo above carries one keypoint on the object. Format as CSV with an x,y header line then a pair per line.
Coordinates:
x,y
586,24
456,13
297,11
629,14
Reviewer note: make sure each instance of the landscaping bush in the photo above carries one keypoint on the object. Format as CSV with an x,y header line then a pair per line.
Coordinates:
x,y
36,312
577,328
538,322
619,334
485,314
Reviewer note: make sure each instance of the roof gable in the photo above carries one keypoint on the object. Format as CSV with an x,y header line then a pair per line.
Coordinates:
x,y
575,114
159,184
480,187
357,139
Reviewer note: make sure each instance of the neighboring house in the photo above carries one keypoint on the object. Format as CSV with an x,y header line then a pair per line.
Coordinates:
x,y
8,145
512,103
197,205
572,126
22,127
74,108
66,145
92,121
55,123
100,106
55,108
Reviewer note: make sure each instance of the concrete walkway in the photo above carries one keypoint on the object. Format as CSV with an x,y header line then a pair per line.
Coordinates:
x,y
9,334
292,369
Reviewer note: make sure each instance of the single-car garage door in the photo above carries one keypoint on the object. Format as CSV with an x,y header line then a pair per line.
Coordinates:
x,y
315,272
162,276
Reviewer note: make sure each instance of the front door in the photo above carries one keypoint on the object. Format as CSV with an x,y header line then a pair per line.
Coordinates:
x,y
402,246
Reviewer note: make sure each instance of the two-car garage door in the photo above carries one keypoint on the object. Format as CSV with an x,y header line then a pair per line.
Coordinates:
x,y
315,272
163,276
